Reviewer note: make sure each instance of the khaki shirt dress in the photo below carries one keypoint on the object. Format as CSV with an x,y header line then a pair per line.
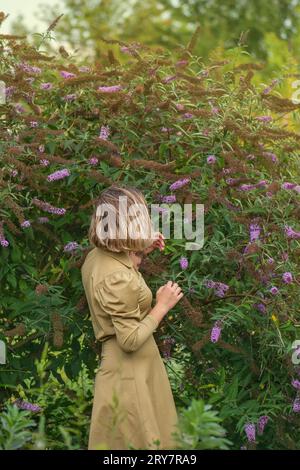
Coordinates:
x,y
133,405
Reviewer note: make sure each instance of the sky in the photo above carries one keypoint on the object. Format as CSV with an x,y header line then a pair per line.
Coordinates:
x,y
27,8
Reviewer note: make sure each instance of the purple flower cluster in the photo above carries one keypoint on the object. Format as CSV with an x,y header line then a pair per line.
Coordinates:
x,y
47,207
58,175
30,68
71,246
296,384
25,224
110,89
254,232
104,132
294,186
168,199
260,307
296,405
211,159
219,287
270,87
69,98
290,232
287,277
46,86
25,405
215,332
179,183
183,263
67,75
274,290
250,431
248,187
93,161
261,424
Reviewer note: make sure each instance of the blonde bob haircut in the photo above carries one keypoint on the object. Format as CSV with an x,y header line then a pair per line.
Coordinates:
x,y
121,227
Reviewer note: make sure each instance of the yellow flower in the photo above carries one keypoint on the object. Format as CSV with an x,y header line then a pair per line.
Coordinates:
x,y
275,319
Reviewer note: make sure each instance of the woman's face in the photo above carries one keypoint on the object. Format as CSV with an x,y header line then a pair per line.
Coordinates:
x,y
137,257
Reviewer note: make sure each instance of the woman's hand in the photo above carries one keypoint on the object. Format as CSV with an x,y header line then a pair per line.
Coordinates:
x,y
159,243
168,295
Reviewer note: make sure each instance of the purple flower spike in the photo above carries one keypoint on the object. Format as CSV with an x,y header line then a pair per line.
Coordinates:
x,y
215,333
184,263
287,277
296,384
261,424
296,405
250,432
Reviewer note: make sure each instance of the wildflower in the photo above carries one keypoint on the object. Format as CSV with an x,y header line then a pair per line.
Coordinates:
x,y
254,232
30,68
220,289
260,307
179,106
287,277
296,405
70,97
41,148
110,89
290,232
4,242
296,384
271,261
274,290
44,162
33,123
270,87
25,405
14,172
46,86
104,132
215,333
261,424
93,161
25,224
184,263
288,185
57,175
47,207
179,183
187,115
67,75
168,199
250,432
211,159
71,246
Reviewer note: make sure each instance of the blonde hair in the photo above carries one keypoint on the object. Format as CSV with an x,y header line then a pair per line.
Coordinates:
x,y
113,241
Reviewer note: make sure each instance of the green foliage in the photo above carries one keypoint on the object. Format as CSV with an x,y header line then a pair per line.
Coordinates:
x,y
15,427
200,428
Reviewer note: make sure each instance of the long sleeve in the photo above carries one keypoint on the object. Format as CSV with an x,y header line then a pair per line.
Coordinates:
x,y
117,295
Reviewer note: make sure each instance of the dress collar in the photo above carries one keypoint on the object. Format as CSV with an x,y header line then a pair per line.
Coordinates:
x,y
122,256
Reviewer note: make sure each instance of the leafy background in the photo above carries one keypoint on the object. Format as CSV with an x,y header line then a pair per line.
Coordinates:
x,y
183,98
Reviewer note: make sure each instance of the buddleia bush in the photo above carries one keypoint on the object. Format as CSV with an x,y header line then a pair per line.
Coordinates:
x,y
183,131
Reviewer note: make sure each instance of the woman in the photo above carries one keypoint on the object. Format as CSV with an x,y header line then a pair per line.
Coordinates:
x,y
133,404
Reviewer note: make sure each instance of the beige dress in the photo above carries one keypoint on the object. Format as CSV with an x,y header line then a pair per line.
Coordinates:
x,y
133,404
